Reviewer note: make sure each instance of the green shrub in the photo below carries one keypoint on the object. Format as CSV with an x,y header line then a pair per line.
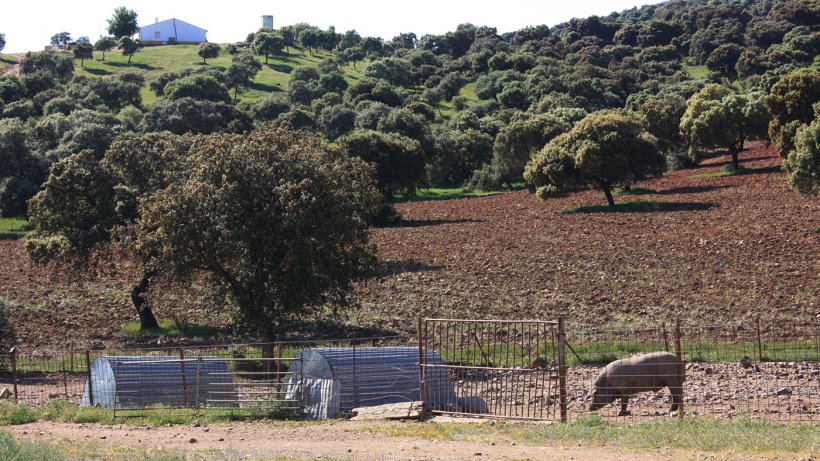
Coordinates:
x,y
8,334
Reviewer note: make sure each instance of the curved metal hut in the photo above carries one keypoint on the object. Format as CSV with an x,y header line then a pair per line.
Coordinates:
x,y
142,382
333,381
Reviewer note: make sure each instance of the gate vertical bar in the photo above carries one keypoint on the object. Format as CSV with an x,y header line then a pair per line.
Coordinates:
x,y
354,373
88,375
679,360
562,368
65,379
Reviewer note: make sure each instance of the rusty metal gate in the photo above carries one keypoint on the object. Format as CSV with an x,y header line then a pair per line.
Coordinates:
x,y
494,368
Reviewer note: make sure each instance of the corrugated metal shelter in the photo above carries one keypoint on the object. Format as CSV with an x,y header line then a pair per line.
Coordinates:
x,y
333,381
140,382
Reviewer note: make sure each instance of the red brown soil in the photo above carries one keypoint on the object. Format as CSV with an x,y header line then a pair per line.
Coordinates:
x,y
725,249
734,247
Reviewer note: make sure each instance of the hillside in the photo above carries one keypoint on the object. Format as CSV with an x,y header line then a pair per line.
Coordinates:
x,y
154,61
711,249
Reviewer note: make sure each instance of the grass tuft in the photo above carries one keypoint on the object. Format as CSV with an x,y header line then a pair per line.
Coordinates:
x,y
170,328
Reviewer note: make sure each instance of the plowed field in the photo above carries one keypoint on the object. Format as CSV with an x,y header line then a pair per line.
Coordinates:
x,y
710,249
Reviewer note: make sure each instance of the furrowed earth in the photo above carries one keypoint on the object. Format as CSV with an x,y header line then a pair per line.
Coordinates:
x,y
704,247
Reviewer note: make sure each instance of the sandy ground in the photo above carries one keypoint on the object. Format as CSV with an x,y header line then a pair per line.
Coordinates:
x,y
338,440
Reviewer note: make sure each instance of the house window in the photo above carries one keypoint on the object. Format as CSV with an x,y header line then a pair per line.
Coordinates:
x,y
156,34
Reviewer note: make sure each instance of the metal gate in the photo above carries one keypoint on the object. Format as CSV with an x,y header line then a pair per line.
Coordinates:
x,y
494,368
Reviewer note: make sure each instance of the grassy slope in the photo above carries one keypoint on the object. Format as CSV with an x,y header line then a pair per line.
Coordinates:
x,y
154,61
6,62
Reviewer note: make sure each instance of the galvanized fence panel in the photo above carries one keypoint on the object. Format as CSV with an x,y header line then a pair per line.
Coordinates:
x,y
496,368
768,372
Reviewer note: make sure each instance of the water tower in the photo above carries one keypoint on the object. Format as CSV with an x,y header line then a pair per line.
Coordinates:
x,y
267,21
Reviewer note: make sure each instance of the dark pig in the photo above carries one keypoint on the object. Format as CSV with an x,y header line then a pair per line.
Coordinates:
x,y
642,373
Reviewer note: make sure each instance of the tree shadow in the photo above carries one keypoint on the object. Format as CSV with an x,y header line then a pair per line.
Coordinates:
x,y
327,330
265,87
390,268
761,170
133,64
692,189
283,68
641,207
97,71
431,222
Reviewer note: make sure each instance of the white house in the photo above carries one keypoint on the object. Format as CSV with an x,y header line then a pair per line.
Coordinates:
x,y
172,31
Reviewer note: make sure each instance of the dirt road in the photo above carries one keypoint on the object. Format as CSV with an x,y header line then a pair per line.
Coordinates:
x,y
335,440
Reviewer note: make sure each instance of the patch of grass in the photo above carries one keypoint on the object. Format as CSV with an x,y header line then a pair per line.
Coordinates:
x,y
634,191
62,411
694,71
12,414
447,193
170,328
11,449
737,435
13,228
724,172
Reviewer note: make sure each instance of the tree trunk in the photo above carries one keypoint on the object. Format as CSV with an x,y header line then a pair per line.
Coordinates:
x,y
129,58
608,192
147,319
733,149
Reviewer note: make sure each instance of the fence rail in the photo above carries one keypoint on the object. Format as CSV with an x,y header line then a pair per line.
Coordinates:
x,y
511,369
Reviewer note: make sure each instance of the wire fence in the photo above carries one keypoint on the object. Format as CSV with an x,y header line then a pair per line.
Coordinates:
x,y
499,369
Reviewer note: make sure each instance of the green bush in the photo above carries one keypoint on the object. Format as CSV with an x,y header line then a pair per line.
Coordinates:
x,y
8,335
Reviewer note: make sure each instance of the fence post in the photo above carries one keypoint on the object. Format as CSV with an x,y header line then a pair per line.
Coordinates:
x,y
354,372
759,343
88,375
422,395
198,379
13,353
562,369
278,378
665,337
184,377
679,360
65,379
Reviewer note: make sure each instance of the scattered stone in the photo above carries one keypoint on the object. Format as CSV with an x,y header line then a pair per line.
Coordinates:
x,y
405,410
784,391
709,371
746,362
193,440
221,439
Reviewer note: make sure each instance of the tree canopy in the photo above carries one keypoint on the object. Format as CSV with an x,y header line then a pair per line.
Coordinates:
x,y
123,23
208,50
606,148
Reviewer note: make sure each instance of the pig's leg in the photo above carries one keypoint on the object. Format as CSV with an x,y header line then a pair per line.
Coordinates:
x,y
624,402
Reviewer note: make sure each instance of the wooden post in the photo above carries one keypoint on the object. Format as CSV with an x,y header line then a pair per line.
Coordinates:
x,y
679,360
422,358
13,353
562,369
88,376
278,378
184,377
65,379
759,342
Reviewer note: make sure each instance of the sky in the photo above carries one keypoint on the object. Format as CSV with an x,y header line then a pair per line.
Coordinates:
x,y
29,24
